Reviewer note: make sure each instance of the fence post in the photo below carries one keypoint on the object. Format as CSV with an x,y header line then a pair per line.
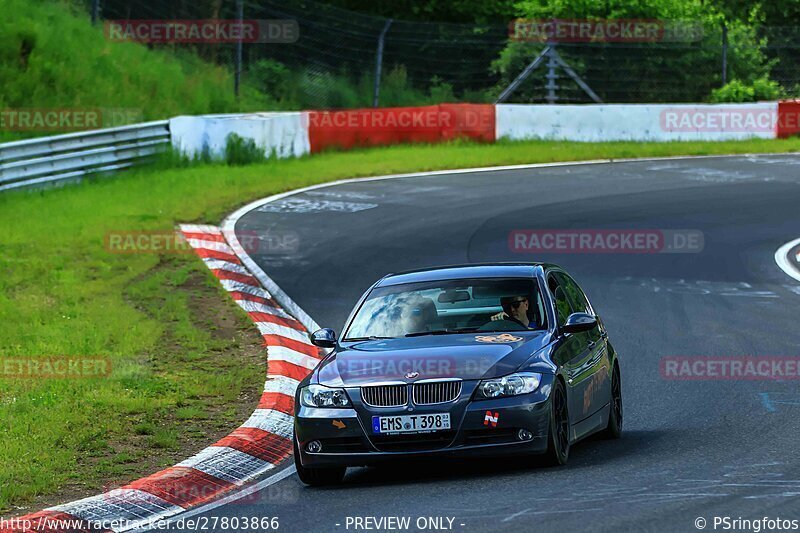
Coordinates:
x,y
724,53
379,62
551,76
238,58
95,11
523,75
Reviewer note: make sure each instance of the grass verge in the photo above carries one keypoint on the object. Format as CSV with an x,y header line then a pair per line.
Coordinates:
x,y
52,58
187,367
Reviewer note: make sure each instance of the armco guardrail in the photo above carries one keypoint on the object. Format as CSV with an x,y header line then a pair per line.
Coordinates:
x,y
75,155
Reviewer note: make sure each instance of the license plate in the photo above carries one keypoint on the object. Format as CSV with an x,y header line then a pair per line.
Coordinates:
x,y
411,423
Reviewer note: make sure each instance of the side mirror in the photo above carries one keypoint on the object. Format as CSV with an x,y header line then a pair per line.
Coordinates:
x,y
324,338
578,322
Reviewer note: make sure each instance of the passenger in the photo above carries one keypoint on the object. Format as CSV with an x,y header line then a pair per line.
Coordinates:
x,y
417,316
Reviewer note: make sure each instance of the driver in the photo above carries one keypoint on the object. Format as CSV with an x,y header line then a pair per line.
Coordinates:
x,y
515,309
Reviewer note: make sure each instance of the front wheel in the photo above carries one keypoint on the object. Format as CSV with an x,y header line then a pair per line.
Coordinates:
x,y
317,477
558,441
614,428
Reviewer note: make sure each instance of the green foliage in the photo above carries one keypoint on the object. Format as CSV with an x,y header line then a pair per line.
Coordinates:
x,y
478,11
396,89
51,57
317,88
737,91
641,72
580,9
272,78
441,91
767,89
241,151
324,89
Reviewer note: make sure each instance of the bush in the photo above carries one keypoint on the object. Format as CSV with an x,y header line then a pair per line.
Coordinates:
x,y
441,91
272,78
737,91
240,151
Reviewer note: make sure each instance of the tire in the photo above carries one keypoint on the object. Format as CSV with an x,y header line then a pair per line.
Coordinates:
x,y
614,428
317,477
558,439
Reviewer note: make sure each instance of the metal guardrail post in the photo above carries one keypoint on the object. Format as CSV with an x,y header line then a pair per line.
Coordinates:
x,y
724,53
237,78
379,62
95,11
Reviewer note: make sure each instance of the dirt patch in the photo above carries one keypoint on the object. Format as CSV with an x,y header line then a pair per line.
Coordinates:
x,y
155,441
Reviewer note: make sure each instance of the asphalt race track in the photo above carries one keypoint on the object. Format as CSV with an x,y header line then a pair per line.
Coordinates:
x,y
691,448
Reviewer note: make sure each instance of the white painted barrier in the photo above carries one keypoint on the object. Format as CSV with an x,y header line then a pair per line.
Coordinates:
x,y
281,134
637,122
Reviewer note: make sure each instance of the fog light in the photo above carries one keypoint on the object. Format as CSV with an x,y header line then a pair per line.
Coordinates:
x,y
524,434
314,446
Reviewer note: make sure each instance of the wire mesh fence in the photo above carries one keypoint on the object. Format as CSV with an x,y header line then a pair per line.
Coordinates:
x,y
341,58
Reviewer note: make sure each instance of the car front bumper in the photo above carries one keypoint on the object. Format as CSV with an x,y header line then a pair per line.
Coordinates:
x,y
348,441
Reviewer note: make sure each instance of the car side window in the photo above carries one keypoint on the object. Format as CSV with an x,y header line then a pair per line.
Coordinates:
x,y
563,308
576,297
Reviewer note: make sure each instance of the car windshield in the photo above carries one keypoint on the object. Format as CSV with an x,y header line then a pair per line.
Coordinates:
x,y
451,306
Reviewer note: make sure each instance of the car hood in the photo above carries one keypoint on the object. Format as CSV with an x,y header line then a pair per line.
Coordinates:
x,y
464,356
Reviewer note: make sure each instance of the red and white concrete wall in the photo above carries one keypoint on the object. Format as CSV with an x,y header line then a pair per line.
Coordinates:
x,y
635,122
257,446
300,133
281,134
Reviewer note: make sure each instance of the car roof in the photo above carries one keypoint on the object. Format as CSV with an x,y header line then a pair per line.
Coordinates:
x,y
486,270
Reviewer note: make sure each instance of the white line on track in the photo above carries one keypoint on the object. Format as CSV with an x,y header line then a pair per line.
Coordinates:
x,y
783,261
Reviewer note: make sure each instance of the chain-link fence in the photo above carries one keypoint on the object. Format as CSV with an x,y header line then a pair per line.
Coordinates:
x,y
345,59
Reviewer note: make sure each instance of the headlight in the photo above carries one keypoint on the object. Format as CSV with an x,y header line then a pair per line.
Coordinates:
x,y
511,385
319,396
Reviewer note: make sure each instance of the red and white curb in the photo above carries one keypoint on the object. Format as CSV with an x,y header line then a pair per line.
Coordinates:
x,y
259,445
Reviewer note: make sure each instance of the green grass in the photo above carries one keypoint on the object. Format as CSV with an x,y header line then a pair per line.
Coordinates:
x,y
51,57
174,362
165,439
